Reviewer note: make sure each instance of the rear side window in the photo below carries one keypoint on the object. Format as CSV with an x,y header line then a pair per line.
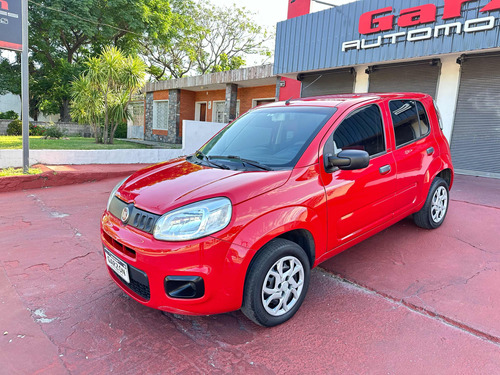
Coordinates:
x,y
410,121
362,130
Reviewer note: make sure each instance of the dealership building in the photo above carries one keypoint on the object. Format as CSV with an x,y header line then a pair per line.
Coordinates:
x,y
449,49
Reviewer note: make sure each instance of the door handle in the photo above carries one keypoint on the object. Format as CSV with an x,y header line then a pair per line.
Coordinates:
x,y
385,169
430,150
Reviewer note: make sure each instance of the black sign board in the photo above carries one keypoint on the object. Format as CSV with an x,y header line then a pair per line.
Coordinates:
x,y
11,25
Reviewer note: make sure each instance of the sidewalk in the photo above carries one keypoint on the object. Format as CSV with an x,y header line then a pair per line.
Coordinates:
x,y
406,301
59,175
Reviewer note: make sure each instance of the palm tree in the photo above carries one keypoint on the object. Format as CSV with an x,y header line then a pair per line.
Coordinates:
x,y
101,96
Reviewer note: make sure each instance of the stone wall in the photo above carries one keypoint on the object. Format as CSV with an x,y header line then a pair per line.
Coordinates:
x,y
72,128
172,134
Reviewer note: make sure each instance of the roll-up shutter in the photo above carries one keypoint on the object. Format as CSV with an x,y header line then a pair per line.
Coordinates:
x,y
421,76
327,83
475,142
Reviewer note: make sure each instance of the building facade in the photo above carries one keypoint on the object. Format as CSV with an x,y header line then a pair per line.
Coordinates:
x,y
217,97
449,49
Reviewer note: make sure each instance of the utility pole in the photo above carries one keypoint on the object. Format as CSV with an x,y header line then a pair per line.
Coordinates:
x,y
25,88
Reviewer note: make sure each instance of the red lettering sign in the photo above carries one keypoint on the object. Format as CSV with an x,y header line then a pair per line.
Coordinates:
x,y
492,5
453,8
417,15
4,5
369,24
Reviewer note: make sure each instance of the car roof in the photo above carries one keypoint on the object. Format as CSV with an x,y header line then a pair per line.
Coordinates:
x,y
341,100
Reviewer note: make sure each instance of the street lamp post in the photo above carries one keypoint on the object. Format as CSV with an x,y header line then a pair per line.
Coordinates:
x,y
25,86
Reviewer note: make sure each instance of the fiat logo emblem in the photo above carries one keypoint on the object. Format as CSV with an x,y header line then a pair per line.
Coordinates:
x,y
125,214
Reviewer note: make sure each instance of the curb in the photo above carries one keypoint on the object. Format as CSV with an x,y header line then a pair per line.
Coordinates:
x,y
60,175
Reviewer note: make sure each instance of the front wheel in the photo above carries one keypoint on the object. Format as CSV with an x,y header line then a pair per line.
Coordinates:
x,y
432,215
276,283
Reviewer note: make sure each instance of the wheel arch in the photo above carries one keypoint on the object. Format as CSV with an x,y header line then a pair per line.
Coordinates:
x,y
447,175
296,224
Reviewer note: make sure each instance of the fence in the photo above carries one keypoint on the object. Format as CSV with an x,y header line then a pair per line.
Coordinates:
x,y
72,128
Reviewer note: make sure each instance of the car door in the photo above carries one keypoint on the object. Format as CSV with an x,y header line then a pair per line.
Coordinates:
x,y
414,150
358,200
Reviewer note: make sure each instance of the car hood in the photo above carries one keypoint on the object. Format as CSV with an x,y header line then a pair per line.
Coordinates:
x,y
166,186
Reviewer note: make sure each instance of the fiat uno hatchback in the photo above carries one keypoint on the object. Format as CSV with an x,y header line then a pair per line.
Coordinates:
x,y
241,223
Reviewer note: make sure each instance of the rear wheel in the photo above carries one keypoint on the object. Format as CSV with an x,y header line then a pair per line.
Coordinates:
x,y
432,215
276,283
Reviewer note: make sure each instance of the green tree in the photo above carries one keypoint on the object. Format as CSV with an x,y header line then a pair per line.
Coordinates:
x,y
204,39
64,33
101,96
227,36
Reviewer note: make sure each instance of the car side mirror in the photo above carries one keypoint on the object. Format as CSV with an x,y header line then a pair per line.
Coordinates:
x,y
350,160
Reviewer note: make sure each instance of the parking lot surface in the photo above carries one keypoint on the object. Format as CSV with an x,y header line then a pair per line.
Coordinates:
x,y
406,301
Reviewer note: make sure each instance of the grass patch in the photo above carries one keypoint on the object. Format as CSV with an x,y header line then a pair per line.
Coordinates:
x,y
73,143
7,172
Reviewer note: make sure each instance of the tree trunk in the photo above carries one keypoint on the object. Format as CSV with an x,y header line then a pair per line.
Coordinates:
x,y
64,112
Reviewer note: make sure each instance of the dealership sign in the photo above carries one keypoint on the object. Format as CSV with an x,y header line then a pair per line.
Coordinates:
x,y
367,32
10,25
383,20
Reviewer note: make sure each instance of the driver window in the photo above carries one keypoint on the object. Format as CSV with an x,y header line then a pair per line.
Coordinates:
x,y
362,130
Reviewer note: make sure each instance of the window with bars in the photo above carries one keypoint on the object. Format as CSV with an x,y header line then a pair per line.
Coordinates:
x,y
137,113
160,114
219,111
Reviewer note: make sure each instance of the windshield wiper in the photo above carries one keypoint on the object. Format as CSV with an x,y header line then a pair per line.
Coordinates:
x,y
200,155
253,163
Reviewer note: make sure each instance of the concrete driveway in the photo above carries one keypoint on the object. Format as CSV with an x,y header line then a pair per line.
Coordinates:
x,y
407,301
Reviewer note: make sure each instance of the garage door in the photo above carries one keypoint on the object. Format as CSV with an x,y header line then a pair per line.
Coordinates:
x,y
420,76
327,83
476,133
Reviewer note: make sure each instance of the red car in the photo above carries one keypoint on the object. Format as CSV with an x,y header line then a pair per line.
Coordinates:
x,y
241,223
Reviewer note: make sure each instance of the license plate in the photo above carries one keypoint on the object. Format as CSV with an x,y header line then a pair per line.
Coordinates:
x,y
117,265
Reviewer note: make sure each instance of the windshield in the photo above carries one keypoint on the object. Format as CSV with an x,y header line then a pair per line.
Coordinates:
x,y
274,138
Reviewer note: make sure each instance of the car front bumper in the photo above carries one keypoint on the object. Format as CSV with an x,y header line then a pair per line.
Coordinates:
x,y
150,262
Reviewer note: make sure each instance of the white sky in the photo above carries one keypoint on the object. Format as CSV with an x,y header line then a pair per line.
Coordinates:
x,y
268,13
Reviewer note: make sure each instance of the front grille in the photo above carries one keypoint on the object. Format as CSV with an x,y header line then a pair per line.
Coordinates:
x,y
139,283
144,221
138,218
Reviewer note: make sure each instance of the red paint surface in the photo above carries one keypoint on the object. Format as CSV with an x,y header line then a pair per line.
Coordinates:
x,y
339,209
58,175
298,8
12,46
291,90
53,263
417,15
376,21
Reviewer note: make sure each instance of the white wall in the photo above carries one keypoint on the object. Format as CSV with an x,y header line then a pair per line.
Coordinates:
x,y
447,92
13,158
362,83
196,133
10,102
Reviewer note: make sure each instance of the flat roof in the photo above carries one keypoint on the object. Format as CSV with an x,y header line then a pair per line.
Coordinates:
x,y
261,75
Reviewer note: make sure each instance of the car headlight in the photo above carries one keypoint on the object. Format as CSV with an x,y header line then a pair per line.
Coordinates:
x,y
113,192
194,221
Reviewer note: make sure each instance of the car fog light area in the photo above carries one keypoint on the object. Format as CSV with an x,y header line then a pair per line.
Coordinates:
x,y
194,221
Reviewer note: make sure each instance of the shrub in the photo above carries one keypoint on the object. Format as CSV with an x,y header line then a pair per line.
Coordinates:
x,y
54,132
15,128
121,130
37,130
9,115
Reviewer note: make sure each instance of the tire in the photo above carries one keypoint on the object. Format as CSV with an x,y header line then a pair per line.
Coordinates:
x,y
432,215
263,278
